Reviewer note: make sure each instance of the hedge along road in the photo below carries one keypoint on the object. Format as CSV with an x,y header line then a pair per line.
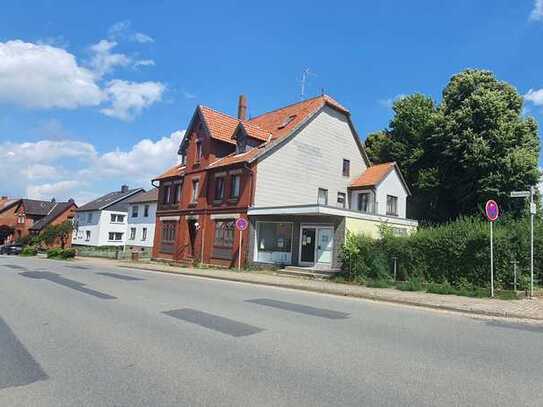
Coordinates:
x,y
160,339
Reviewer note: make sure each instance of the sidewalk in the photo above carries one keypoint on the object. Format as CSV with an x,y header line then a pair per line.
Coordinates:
x,y
522,309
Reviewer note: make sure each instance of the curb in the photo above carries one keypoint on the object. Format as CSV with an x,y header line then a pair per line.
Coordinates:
x,y
345,292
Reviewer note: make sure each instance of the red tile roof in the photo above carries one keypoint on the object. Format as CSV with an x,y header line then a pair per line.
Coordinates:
x,y
175,171
282,121
373,175
235,158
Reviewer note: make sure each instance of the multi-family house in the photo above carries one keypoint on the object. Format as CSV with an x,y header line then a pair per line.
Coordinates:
x,y
298,174
103,222
31,216
141,221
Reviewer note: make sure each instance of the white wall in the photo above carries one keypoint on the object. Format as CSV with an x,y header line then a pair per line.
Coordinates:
x,y
312,159
141,222
100,226
391,185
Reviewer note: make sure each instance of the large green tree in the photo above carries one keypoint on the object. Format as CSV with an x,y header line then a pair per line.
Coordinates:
x,y
474,146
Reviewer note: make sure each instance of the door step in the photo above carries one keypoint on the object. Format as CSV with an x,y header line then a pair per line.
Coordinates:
x,y
305,272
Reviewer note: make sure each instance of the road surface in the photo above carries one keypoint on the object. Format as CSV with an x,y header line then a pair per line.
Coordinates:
x,y
76,334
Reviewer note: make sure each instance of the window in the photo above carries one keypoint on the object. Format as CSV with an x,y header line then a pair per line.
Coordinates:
x,y
236,184
132,233
87,235
392,205
183,157
219,188
176,193
89,217
346,168
199,151
274,242
21,219
364,202
322,197
224,239
135,211
115,236
144,234
241,145
167,233
117,218
166,194
146,211
195,188
341,199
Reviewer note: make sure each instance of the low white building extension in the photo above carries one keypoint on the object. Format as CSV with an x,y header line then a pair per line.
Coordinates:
x,y
141,220
103,222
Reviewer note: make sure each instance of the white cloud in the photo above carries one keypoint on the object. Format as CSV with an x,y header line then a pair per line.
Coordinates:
x,y
534,96
537,11
104,60
49,191
72,169
142,38
144,62
43,76
390,101
129,98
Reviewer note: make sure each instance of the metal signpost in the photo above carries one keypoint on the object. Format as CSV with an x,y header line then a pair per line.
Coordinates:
x,y
533,210
241,225
492,213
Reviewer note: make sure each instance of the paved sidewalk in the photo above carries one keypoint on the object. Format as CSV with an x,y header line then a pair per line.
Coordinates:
x,y
522,309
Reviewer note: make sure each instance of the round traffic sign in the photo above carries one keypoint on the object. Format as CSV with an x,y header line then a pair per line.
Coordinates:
x,y
492,211
241,224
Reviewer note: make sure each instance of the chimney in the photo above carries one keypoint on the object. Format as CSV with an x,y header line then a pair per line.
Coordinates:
x,y
242,107
124,188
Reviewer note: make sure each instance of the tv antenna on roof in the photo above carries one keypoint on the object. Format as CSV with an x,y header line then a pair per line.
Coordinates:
x,y
305,76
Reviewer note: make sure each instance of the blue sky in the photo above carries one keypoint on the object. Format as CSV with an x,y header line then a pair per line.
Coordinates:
x,y
95,94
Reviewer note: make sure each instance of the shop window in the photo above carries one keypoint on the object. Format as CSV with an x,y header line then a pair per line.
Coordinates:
x,y
224,239
274,242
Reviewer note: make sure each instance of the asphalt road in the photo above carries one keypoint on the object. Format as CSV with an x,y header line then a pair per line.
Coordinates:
x,y
75,335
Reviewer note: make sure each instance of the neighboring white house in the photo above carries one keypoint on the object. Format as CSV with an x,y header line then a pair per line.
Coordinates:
x,y
141,220
103,222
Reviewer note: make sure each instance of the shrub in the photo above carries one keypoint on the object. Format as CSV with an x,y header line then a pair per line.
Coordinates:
x,y
29,251
67,254
54,253
380,283
413,284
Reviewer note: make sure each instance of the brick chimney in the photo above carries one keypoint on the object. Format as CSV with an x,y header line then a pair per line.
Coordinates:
x,y
124,188
242,107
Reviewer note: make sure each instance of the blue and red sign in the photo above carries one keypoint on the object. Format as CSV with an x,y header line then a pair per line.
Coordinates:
x,y
492,211
241,224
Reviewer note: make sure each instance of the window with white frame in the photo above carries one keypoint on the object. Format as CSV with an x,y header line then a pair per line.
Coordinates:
x,y
341,199
89,217
363,204
87,235
392,205
146,211
116,218
219,188
115,236
322,198
346,169
132,233
144,234
224,239
274,242
135,209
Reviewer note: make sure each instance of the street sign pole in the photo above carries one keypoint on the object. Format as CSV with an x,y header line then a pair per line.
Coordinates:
x,y
239,250
492,212
491,262
532,213
241,224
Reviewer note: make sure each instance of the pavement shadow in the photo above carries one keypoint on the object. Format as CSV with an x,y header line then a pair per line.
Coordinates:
x,y
517,326
18,367
66,282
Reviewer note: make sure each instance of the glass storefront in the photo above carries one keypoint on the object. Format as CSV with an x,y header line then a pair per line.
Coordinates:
x,y
274,242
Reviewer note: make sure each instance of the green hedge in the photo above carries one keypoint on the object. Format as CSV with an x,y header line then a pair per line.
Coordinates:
x,y
29,251
61,253
457,253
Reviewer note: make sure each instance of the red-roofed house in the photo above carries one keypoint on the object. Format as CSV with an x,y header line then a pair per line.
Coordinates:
x,y
299,174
